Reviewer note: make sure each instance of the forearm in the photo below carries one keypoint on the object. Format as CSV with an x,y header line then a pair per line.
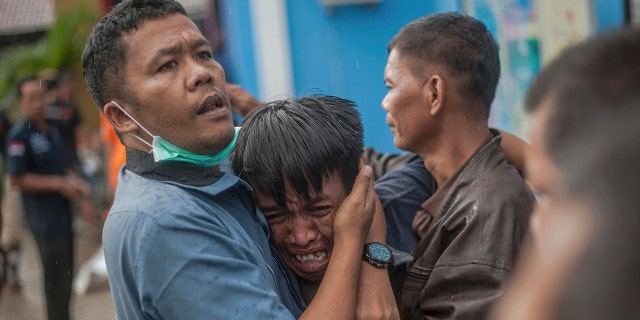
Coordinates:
x,y
375,295
336,296
514,149
37,183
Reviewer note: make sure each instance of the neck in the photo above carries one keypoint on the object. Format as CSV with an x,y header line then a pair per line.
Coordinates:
x,y
455,146
41,123
308,289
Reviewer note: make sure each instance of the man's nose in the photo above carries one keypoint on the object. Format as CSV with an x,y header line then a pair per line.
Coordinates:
x,y
199,74
303,232
384,104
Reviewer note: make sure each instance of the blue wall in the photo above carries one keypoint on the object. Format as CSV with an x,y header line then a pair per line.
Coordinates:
x,y
343,52
240,66
608,14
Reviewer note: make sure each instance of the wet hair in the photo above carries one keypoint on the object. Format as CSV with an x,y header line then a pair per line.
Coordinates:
x,y
301,141
21,83
103,59
459,43
593,79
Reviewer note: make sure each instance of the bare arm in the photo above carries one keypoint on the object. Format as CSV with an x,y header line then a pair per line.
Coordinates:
x,y
336,297
375,295
68,186
514,149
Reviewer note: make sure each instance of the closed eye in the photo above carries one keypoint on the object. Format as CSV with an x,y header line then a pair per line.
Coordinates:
x,y
275,217
320,211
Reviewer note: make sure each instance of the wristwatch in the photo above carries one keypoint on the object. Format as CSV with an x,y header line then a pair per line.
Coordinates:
x,y
377,254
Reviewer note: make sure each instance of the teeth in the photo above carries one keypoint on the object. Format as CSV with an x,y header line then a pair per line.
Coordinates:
x,y
315,257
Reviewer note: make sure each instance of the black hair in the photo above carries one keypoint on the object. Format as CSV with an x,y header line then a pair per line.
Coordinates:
x,y
459,43
302,141
597,78
103,59
21,83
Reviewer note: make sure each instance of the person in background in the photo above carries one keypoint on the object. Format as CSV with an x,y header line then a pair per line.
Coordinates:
x,y
184,239
441,75
63,114
13,220
35,165
583,165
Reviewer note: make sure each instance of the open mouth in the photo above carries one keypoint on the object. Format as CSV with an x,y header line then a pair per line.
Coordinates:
x,y
212,103
316,257
310,266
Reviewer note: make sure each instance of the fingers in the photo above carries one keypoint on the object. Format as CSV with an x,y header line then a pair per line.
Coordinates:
x,y
353,219
77,186
363,184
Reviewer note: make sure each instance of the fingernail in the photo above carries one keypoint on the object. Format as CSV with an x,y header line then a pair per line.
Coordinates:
x,y
368,171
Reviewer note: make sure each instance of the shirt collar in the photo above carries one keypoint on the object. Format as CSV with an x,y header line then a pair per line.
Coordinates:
x,y
142,163
432,208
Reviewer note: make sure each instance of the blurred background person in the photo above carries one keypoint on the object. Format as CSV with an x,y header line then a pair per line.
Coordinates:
x,y
62,113
583,165
13,221
35,164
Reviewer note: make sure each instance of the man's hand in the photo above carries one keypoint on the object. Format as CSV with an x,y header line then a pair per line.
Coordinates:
x,y
74,187
241,101
354,217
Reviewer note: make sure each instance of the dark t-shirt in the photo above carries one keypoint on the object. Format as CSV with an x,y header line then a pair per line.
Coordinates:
x,y
402,192
30,150
65,117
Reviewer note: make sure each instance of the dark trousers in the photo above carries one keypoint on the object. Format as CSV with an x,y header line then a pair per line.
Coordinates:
x,y
56,254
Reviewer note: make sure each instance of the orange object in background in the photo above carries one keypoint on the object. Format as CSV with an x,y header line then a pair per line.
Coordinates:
x,y
114,154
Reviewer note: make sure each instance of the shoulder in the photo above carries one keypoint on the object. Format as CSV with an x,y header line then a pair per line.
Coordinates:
x,y
412,177
490,174
19,130
176,207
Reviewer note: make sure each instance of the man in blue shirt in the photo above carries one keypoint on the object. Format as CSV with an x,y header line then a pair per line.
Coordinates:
x,y
183,239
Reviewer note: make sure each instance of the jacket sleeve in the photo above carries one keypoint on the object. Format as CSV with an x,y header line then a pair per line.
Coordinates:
x,y
381,163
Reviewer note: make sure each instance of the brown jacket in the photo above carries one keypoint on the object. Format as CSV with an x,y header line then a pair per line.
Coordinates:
x,y
470,230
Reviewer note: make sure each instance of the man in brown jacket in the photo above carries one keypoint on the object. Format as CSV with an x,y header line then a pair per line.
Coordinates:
x,y
441,76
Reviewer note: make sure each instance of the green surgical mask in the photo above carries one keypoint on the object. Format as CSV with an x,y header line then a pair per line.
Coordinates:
x,y
163,150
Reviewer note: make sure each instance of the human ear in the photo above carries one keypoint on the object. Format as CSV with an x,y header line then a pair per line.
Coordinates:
x,y
434,92
120,121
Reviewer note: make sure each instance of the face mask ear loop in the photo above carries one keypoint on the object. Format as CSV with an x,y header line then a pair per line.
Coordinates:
x,y
139,125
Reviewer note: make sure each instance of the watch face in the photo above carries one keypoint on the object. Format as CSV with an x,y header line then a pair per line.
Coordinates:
x,y
379,252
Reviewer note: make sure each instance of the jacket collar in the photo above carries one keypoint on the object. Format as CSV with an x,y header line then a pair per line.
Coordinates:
x,y
439,202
